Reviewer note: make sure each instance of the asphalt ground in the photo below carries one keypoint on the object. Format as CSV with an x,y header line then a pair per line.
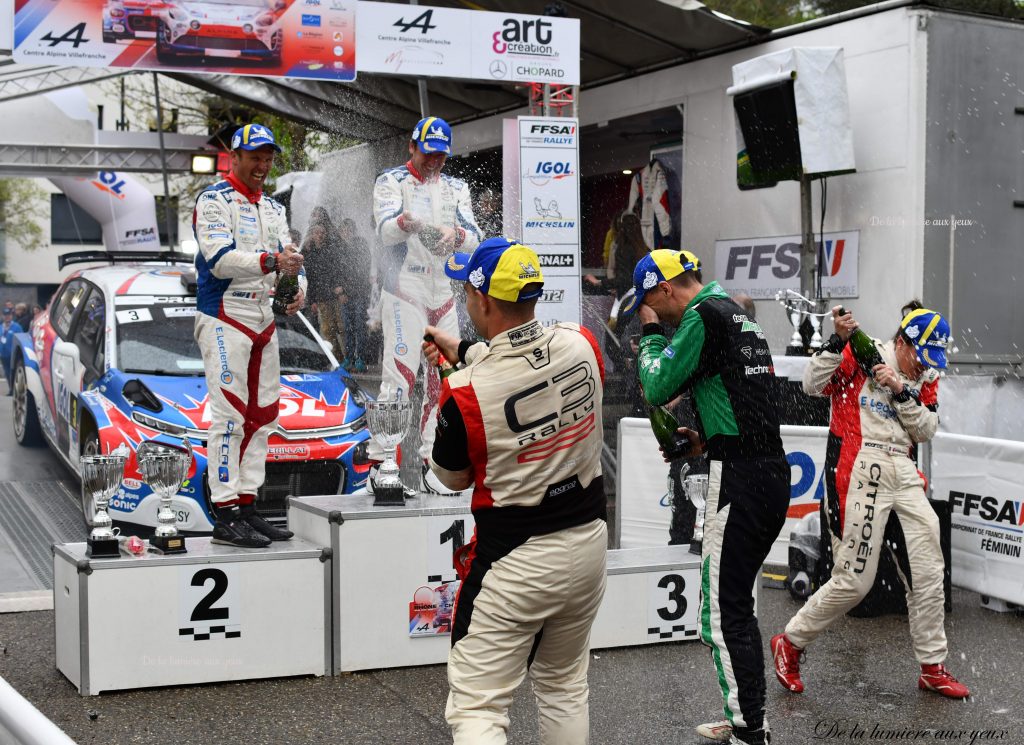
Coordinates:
x,y
861,680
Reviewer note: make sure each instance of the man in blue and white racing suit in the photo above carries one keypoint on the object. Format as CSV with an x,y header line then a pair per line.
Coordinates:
x,y
244,243
420,214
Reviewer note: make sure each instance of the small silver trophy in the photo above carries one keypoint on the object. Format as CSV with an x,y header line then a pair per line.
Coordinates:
x,y
696,487
101,475
165,467
388,420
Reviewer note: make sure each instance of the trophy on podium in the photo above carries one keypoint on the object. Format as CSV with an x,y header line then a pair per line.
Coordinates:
x,y
165,467
388,420
798,308
101,475
696,488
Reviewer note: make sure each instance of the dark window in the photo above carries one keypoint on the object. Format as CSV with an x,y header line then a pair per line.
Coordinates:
x,y
68,302
90,330
69,223
161,219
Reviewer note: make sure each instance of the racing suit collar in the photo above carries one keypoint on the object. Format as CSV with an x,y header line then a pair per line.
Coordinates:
x,y
522,334
253,196
417,174
711,289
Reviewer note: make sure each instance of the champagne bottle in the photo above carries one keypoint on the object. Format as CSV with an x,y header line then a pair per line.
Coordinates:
x,y
285,292
665,425
444,367
863,348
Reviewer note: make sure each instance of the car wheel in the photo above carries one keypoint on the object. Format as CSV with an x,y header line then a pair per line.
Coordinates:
x,y
163,54
90,446
26,419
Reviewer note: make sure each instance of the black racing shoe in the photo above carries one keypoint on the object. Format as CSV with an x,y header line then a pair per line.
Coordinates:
x,y
231,529
261,526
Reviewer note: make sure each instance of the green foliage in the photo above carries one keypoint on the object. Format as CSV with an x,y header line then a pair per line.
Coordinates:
x,y
22,211
779,13
767,13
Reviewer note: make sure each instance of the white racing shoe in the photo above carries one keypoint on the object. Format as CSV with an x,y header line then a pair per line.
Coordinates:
x,y
720,731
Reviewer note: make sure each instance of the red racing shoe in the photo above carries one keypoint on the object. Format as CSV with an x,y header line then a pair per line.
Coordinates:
x,y
787,663
938,679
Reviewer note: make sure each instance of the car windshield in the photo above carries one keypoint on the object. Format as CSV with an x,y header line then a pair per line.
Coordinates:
x,y
157,339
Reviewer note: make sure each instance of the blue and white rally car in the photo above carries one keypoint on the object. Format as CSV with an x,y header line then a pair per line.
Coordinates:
x,y
113,360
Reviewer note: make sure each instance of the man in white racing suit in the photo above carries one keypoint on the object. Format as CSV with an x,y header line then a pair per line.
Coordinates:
x,y
244,243
420,214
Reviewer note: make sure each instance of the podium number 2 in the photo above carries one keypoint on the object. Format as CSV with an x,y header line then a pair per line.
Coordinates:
x,y
205,610
677,601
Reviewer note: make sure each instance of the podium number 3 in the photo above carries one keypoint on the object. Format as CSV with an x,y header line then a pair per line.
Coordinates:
x,y
204,608
675,596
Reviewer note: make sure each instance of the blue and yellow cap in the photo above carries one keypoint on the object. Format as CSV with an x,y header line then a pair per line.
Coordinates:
x,y
659,265
253,137
433,135
929,334
499,268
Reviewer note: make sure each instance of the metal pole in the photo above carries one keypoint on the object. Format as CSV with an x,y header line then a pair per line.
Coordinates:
x,y
421,84
808,254
163,164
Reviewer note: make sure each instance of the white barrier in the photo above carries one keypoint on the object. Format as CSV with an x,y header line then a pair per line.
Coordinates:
x,y
643,511
982,479
23,724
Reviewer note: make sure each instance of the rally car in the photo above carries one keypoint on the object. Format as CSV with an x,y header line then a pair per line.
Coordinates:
x,y
130,19
113,361
240,29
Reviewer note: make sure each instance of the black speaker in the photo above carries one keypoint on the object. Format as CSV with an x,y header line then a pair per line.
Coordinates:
x,y
771,142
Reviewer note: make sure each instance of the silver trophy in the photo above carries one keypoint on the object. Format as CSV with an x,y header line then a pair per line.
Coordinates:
x,y
797,308
388,421
696,488
101,476
165,467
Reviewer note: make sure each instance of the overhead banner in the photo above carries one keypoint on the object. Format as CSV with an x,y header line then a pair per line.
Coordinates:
x,y
419,40
762,267
283,38
541,173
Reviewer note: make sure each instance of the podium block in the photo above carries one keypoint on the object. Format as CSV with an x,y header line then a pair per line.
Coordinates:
x,y
393,573
216,613
652,596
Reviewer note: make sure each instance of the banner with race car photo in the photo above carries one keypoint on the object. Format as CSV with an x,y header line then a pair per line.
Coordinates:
x,y
282,38
460,43
644,509
982,479
762,267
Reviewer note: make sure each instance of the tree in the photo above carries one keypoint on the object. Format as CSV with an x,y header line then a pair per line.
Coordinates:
x,y
766,13
21,212
1004,8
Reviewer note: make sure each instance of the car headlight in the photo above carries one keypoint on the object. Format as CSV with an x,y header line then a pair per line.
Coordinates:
x,y
116,13
158,425
267,19
357,394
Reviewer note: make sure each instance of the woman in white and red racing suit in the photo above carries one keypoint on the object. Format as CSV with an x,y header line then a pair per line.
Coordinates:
x,y
415,292
870,471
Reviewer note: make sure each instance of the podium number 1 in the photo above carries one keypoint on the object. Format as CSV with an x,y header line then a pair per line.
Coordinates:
x,y
444,538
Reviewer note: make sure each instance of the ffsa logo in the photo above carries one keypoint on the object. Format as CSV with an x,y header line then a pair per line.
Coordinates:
x,y
782,260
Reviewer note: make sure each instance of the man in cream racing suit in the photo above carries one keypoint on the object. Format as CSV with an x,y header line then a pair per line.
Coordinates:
x,y
420,214
243,243
878,417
